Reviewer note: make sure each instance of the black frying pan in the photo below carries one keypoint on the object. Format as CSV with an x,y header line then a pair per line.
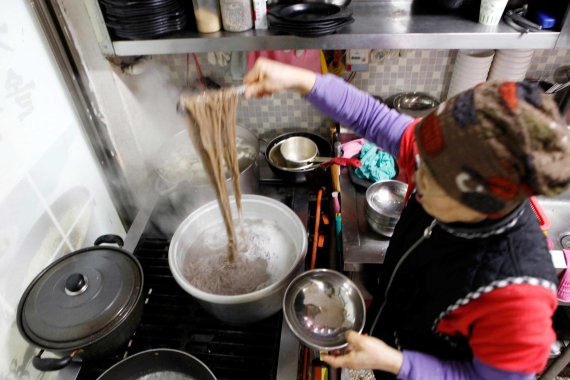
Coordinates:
x,y
303,175
157,364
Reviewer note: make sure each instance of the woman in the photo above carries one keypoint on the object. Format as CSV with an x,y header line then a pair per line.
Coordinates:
x,y
468,289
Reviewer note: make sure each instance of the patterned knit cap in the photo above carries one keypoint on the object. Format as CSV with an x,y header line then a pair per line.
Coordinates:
x,y
495,145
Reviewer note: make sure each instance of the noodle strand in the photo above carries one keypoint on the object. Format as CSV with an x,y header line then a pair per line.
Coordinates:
x,y
212,129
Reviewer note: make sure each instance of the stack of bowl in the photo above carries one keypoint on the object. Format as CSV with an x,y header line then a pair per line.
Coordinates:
x,y
385,202
471,68
510,65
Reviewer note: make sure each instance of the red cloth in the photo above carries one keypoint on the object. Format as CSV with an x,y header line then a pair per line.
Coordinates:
x,y
508,328
407,159
343,161
308,59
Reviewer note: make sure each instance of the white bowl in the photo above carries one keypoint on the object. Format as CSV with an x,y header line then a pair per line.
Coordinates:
x,y
515,53
467,64
512,60
511,67
477,53
504,76
288,247
457,90
468,76
470,73
460,87
466,80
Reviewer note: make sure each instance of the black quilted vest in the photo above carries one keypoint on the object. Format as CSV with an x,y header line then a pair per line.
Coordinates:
x,y
453,265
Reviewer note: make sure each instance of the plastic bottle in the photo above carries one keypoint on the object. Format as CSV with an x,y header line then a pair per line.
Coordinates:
x,y
260,14
207,13
237,15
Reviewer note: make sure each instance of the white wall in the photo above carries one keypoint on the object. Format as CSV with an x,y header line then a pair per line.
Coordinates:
x,y
52,196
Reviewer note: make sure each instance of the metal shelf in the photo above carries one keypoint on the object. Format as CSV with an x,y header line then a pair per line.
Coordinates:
x,y
380,24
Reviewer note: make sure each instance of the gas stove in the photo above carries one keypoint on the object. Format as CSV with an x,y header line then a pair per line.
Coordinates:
x,y
173,319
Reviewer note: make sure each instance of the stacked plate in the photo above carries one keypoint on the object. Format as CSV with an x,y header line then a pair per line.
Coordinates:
x,y
308,19
142,19
510,65
471,68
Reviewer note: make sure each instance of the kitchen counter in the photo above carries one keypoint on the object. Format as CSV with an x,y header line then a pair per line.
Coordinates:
x,y
361,245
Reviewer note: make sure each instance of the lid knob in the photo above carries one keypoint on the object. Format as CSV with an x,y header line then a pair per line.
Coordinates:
x,y
75,284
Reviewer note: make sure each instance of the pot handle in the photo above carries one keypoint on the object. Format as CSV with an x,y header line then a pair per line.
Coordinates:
x,y
109,238
263,144
51,364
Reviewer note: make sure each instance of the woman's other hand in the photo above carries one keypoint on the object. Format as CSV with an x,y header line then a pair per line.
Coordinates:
x,y
365,352
267,77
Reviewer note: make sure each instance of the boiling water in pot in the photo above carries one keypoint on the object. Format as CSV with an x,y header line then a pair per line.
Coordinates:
x,y
183,163
263,257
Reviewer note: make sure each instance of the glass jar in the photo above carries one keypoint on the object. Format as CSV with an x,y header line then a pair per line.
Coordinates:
x,y
237,15
207,13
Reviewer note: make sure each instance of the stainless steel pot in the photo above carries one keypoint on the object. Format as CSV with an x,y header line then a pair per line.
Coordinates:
x,y
257,305
182,179
162,363
84,305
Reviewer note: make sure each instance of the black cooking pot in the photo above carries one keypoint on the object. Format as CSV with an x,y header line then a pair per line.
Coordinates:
x,y
84,305
292,174
159,363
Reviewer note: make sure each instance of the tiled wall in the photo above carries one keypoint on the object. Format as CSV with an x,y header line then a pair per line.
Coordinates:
x,y
406,70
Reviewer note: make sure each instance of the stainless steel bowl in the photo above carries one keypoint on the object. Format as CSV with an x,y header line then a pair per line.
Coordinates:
x,y
276,159
385,202
415,104
320,305
340,3
299,150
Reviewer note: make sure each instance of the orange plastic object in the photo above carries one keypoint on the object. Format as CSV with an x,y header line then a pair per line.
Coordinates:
x,y
541,216
316,233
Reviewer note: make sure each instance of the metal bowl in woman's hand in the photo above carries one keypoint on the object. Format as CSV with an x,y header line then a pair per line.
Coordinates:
x,y
320,305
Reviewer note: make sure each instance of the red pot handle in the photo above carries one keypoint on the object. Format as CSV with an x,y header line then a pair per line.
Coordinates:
x,y
343,161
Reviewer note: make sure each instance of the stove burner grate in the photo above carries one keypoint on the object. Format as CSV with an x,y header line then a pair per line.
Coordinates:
x,y
174,319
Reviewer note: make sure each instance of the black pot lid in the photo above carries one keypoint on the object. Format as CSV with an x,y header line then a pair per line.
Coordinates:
x,y
80,298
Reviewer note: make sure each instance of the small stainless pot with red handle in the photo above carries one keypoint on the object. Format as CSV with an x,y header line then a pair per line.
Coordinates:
x,y
84,305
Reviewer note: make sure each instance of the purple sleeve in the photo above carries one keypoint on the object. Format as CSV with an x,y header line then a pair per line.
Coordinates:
x,y
359,111
416,365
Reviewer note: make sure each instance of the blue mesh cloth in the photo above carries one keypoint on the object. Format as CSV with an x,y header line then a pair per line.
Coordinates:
x,y
377,165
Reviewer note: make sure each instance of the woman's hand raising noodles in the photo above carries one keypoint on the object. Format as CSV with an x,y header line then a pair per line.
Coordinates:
x,y
267,77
